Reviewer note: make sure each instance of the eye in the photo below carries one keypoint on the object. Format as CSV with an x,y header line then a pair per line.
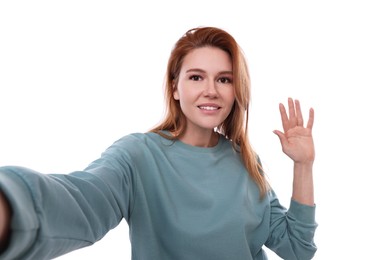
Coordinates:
x,y
195,77
225,80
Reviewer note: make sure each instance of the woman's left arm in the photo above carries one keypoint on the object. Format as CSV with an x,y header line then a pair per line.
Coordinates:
x,y
297,143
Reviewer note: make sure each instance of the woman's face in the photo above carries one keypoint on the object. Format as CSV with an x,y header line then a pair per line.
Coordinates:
x,y
205,88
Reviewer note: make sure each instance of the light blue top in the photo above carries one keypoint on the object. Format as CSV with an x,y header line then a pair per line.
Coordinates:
x,y
180,202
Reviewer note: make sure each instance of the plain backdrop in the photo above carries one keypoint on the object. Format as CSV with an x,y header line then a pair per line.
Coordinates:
x,y
77,75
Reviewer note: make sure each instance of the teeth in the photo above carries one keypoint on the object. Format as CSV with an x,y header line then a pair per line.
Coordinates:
x,y
209,108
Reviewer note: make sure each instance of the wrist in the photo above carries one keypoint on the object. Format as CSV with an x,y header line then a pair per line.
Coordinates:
x,y
304,165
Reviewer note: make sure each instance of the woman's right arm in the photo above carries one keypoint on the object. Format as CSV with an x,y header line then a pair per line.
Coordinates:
x,y
5,215
53,214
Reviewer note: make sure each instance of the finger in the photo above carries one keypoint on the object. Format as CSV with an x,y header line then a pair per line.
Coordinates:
x,y
300,120
310,122
292,113
284,117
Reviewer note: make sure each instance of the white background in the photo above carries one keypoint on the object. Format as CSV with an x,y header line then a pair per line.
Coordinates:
x,y
77,75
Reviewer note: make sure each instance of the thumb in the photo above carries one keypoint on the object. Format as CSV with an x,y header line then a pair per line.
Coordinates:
x,y
282,137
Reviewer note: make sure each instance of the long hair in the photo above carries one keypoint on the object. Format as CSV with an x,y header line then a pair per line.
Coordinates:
x,y
235,126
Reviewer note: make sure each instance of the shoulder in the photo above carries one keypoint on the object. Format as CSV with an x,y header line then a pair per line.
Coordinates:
x,y
136,144
139,139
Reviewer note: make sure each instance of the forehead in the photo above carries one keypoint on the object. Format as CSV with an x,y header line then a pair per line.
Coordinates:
x,y
207,58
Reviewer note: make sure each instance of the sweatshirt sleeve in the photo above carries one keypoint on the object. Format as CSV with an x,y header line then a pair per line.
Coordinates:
x,y
292,231
53,214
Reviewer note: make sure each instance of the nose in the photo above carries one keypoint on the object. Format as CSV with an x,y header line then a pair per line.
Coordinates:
x,y
210,89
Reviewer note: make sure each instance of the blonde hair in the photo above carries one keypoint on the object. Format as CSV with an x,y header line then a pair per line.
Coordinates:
x,y
235,126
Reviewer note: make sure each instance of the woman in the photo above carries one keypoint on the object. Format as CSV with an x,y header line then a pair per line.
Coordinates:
x,y
191,188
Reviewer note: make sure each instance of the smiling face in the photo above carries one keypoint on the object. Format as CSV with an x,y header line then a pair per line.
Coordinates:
x,y
205,88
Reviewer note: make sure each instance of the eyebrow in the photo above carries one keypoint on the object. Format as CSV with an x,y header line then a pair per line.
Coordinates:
x,y
203,71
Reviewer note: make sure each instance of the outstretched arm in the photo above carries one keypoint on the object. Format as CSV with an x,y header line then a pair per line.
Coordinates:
x,y
297,143
4,221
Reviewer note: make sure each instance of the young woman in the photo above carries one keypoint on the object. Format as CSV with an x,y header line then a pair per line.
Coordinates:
x,y
191,188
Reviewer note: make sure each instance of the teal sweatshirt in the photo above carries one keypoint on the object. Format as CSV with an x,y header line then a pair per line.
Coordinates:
x,y
180,202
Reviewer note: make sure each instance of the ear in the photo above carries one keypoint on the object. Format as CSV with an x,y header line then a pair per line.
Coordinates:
x,y
176,95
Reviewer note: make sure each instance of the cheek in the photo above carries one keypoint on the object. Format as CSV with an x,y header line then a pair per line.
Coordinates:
x,y
230,96
230,100
184,93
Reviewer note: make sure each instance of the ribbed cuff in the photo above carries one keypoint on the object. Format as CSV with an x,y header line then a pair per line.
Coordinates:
x,y
303,213
24,223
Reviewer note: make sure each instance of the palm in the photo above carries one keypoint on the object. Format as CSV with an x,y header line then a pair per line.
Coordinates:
x,y
296,140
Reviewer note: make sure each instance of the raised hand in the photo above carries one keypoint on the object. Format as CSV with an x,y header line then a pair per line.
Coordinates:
x,y
296,140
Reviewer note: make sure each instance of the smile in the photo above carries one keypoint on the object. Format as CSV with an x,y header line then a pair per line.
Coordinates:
x,y
209,108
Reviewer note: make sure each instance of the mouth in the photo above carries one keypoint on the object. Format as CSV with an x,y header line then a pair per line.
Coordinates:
x,y
209,107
